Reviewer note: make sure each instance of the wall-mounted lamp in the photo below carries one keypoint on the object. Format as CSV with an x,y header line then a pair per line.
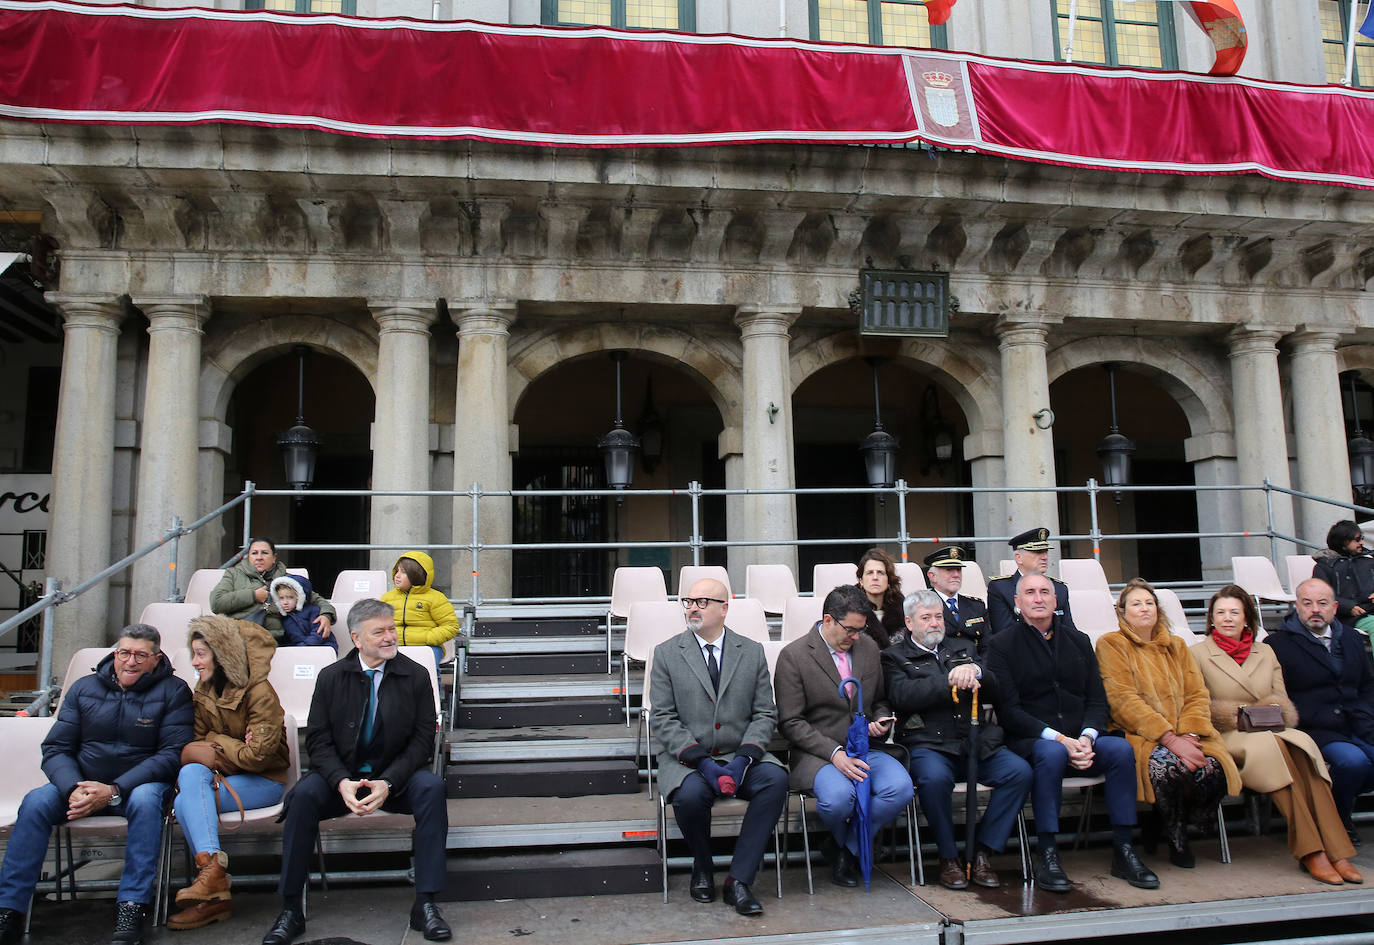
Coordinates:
x,y
879,448
299,445
618,447
1115,449
773,411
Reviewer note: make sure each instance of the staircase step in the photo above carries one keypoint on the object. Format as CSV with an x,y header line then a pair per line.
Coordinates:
x,y
521,715
542,743
531,664
542,779
547,875
578,643
590,686
543,627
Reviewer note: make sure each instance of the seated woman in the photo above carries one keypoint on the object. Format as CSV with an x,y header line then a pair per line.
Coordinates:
x,y
245,591
1286,765
1349,569
239,728
879,581
1156,695
424,617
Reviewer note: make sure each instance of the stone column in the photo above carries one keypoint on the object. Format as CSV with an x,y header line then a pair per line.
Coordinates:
x,y
1261,443
83,466
400,427
482,446
1323,463
1213,456
1028,451
766,410
983,450
169,442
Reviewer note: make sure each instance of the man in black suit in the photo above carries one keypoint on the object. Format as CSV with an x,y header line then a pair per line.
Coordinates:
x,y
1053,709
1031,551
966,618
370,739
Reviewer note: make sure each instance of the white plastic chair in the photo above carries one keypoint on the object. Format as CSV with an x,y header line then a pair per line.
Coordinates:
x,y
425,657
1094,612
300,572
628,586
772,585
340,628
975,585
692,573
172,622
23,741
1299,568
352,586
293,774
82,663
1173,609
826,577
182,668
746,617
1256,574
913,576
1084,574
1006,566
293,673
649,623
800,616
771,650
201,584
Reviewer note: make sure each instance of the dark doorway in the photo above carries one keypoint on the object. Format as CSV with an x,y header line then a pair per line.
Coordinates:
x,y
553,573
1167,559
833,515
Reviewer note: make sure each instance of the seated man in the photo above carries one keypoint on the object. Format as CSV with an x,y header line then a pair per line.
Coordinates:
x,y
920,672
1052,707
965,617
370,738
814,717
1328,678
712,715
1031,551
115,750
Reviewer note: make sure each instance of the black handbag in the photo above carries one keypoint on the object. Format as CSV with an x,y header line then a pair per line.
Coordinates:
x,y
1259,718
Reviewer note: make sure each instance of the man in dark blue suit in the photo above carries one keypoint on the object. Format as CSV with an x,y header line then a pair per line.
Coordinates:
x,y
966,618
1031,550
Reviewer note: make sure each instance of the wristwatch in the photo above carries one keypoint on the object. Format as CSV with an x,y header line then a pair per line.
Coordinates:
x,y
115,799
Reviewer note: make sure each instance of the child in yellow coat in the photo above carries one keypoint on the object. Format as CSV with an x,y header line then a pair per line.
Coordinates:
x,y
424,617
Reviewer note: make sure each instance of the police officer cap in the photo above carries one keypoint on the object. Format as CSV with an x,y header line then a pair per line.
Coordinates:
x,y
951,557
1036,539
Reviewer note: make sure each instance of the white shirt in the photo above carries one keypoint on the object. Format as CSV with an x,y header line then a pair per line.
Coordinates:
x,y
703,644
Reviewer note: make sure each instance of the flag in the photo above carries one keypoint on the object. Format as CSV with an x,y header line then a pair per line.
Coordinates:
x,y
938,10
1225,27
1367,27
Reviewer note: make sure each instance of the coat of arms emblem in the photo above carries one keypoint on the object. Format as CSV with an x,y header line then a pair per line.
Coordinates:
x,y
941,99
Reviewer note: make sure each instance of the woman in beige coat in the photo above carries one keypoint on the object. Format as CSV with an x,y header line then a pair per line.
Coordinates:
x,y
1286,765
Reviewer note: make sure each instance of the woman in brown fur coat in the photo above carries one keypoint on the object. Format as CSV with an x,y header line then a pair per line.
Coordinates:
x,y
1157,696
236,711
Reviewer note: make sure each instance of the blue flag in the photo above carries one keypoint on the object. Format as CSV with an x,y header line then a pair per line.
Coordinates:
x,y
1367,27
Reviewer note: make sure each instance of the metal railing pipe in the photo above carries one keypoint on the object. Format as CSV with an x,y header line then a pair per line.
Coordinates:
x,y
51,587
1095,532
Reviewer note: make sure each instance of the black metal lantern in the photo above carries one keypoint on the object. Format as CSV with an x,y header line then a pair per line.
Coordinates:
x,y
879,448
619,446
1361,450
1115,449
299,445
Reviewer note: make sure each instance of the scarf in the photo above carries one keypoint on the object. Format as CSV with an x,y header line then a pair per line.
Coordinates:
x,y
1238,649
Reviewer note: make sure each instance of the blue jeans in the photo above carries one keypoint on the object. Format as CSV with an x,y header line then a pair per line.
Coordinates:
x,y
836,800
935,773
195,803
1352,772
1113,758
44,808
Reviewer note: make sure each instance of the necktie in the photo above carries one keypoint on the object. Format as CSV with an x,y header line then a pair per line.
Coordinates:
x,y
370,716
954,608
712,667
842,660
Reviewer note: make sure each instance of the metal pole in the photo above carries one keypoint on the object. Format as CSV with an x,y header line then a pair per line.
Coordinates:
x,y
1269,512
1073,21
50,588
249,487
476,494
903,539
694,490
1351,32
173,592
1093,529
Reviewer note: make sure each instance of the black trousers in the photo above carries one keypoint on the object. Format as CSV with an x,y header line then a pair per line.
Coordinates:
x,y
313,800
764,787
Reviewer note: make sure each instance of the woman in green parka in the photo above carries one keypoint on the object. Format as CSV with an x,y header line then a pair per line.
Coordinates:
x,y
243,592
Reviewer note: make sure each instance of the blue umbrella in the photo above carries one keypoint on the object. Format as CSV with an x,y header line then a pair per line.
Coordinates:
x,y
856,746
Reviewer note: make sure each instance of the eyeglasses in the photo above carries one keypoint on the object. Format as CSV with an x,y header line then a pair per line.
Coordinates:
x,y
700,603
137,657
852,631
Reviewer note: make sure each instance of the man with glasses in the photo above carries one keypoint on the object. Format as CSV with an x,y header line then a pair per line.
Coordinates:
x,y
712,716
114,750
815,716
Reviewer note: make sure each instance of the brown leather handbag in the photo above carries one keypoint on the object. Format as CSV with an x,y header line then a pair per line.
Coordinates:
x,y
1259,718
212,755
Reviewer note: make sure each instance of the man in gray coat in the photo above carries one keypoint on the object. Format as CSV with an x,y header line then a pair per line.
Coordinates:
x,y
713,714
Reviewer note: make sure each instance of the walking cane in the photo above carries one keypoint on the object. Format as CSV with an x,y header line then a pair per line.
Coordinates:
x,y
971,786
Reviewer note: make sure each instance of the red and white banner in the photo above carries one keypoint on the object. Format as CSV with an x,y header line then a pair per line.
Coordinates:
x,y
396,78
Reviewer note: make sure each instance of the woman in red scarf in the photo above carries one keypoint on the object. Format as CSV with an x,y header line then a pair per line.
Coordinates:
x,y
1286,764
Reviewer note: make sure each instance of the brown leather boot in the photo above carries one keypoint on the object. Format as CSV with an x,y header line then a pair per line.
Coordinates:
x,y
212,882
1321,869
201,914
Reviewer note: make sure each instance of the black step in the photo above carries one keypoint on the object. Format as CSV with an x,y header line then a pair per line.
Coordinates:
x,y
536,664
542,627
542,779
599,872
553,712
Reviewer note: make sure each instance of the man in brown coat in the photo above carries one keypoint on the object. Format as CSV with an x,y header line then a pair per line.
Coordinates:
x,y
814,716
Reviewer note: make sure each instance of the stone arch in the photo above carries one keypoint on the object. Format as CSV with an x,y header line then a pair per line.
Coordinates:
x,y
709,361
227,359
972,376
1205,401
1355,358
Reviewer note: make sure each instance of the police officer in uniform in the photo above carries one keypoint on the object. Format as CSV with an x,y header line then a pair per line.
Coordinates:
x,y
1031,550
966,618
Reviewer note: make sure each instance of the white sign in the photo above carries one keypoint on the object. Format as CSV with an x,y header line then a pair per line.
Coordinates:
x,y
304,671
24,502
363,586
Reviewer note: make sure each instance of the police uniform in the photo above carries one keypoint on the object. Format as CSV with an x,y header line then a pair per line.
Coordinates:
x,y
1002,590
970,622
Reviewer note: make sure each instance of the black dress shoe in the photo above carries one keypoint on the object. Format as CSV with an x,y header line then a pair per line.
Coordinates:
x,y
1182,857
737,894
425,917
1353,835
128,928
1049,875
703,887
845,872
1126,865
290,923
11,926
